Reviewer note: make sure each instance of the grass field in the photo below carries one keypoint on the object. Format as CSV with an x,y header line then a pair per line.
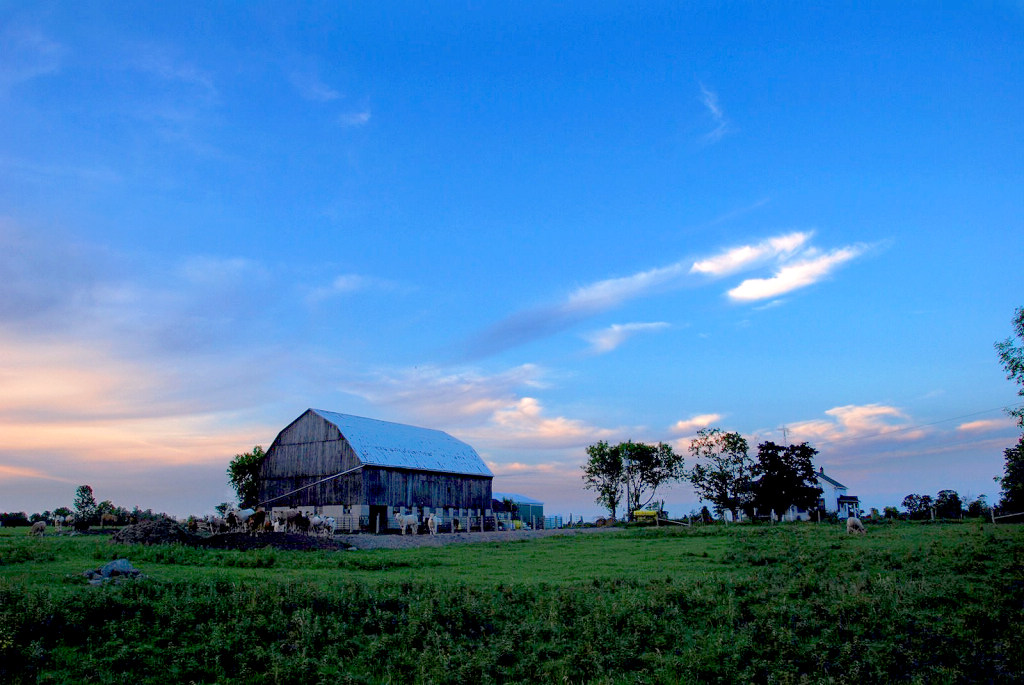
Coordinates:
x,y
790,604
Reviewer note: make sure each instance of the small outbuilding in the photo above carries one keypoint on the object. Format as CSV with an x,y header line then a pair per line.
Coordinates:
x,y
527,509
363,471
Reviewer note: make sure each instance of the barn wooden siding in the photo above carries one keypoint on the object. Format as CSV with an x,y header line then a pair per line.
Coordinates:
x,y
311,449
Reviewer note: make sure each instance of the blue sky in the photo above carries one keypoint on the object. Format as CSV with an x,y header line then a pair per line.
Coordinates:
x,y
534,227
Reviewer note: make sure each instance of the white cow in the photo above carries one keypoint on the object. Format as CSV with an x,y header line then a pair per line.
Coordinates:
x,y
407,521
854,525
432,524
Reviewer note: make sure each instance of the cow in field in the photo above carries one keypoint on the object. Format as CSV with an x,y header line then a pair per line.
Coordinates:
x,y
854,525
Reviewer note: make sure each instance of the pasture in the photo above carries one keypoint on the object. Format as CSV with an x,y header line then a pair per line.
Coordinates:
x,y
795,603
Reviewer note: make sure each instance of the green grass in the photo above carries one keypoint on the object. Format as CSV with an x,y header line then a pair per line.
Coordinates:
x,y
792,603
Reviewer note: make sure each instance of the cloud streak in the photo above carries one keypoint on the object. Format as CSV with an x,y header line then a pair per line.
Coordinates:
x,y
709,99
793,276
747,256
608,339
797,265
694,423
28,54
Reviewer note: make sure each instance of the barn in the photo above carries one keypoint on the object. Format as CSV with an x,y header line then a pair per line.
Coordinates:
x,y
364,471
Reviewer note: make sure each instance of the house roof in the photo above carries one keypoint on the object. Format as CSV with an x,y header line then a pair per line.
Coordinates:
x,y
518,499
820,475
397,445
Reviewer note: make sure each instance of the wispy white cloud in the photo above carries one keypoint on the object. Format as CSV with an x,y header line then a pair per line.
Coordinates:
x,y
355,118
206,270
347,284
310,86
865,422
608,339
25,54
746,256
696,422
488,410
603,295
525,424
709,99
793,276
987,425
160,62
610,292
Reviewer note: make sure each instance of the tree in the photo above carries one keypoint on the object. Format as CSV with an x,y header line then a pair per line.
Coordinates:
x,y
724,473
891,512
918,506
85,503
979,507
631,469
948,504
785,477
603,474
1011,355
1012,481
244,474
646,468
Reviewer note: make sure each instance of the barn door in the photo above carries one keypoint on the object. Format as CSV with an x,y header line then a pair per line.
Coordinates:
x,y
378,518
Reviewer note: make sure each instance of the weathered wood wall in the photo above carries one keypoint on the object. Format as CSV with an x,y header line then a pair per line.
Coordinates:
x,y
311,449
401,487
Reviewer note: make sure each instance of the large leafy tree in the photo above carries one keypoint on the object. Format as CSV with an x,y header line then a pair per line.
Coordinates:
x,y
244,472
918,506
647,467
724,470
1012,480
603,473
633,470
1011,355
948,504
785,477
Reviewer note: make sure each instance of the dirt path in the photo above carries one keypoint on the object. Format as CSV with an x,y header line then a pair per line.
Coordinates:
x,y
371,541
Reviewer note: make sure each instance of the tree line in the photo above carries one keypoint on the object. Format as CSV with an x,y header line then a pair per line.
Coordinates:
x,y
782,476
86,510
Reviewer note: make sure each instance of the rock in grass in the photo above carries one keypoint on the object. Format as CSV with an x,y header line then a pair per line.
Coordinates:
x,y
112,570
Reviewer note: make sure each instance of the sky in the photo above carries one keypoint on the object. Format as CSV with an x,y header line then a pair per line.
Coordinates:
x,y
532,225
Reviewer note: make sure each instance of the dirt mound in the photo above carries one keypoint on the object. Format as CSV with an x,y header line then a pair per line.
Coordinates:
x,y
288,541
155,532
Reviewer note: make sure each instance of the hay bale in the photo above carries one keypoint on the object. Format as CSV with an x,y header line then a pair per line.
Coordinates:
x,y
162,531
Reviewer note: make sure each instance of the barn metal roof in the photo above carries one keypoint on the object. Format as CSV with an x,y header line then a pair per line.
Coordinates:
x,y
397,445
517,498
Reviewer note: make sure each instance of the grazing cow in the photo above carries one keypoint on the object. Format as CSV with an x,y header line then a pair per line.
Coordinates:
x,y
854,525
38,528
432,524
108,519
216,525
408,521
